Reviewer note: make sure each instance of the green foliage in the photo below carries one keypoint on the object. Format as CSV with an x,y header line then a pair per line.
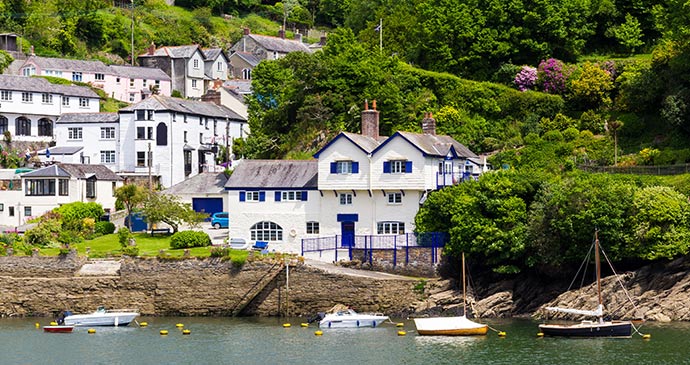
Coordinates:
x,y
45,233
628,34
130,195
123,236
132,251
189,239
104,227
5,60
167,208
590,87
74,215
220,251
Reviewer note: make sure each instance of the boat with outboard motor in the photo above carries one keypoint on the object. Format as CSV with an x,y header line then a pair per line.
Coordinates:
x,y
101,317
343,317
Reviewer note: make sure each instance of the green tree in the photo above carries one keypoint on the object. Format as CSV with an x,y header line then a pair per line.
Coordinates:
x,y
131,195
166,208
5,60
629,34
591,87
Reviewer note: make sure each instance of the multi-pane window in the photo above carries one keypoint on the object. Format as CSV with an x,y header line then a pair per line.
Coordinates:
x,y
141,158
312,227
45,127
291,196
99,77
91,188
397,167
76,76
220,66
107,132
27,211
29,71
74,133
194,84
65,101
394,198
5,95
38,187
47,98
27,97
266,231
4,124
84,102
108,156
63,187
157,83
22,126
390,228
184,136
131,82
344,167
196,63
131,97
246,74
144,82
345,199
201,138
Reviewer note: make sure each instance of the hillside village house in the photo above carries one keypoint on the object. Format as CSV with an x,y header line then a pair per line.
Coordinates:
x,y
359,184
189,68
172,139
30,106
125,83
44,189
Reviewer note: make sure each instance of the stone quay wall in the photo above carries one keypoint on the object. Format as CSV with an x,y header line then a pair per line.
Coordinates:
x,y
42,286
413,261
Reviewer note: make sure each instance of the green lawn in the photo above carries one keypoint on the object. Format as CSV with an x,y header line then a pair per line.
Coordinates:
x,y
109,246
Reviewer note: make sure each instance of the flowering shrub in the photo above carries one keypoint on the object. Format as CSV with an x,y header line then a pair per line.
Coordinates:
x,y
610,67
552,75
526,78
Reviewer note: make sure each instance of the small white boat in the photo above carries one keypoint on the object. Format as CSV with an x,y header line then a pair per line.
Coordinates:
x,y
348,318
102,317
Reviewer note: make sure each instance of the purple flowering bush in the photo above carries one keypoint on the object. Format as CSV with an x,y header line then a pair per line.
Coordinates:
x,y
552,75
526,78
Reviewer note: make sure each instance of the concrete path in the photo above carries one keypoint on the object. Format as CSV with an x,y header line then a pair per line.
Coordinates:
x,y
100,268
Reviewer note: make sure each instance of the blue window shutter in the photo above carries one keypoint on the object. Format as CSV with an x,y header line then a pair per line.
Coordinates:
x,y
262,196
408,167
355,167
305,195
278,196
242,196
386,167
334,167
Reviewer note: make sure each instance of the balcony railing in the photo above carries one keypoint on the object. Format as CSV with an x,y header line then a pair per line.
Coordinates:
x,y
452,178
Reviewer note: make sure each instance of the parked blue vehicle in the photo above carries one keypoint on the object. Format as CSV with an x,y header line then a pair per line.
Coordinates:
x,y
219,220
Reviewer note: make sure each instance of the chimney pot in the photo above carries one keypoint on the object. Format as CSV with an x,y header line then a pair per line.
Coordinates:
x,y
246,31
366,104
373,104
370,121
281,33
428,124
32,51
152,49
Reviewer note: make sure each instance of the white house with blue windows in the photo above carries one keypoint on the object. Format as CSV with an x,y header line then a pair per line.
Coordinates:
x,y
359,184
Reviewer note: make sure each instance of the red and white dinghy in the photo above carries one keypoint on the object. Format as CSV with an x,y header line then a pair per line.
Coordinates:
x,y
58,329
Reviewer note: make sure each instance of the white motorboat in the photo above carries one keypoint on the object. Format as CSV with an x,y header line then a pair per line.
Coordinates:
x,y
102,317
348,318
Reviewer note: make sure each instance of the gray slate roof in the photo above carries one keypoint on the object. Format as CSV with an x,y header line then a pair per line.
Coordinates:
x,y
200,184
266,174
41,85
248,57
366,143
63,64
62,150
279,44
78,171
175,52
137,72
207,109
88,118
437,145
213,53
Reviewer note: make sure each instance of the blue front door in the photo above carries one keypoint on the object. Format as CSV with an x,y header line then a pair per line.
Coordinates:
x,y
348,233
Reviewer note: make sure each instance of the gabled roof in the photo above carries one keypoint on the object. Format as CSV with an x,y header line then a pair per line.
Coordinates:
x,y
213,53
203,183
79,171
274,174
62,150
137,72
175,52
250,58
364,143
278,44
64,64
88,118
432,144
203,108
41,85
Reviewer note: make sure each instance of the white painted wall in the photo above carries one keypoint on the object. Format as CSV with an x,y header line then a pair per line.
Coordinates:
x,y
91,141
342,150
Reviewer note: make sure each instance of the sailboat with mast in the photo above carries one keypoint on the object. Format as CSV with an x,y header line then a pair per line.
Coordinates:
x,y
599,327
452,326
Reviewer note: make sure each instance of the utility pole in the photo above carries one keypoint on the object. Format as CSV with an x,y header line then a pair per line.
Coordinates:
x,y
227,141
149,162
132,32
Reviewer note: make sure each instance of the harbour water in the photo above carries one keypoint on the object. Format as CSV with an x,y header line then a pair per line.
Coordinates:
x,y
265,341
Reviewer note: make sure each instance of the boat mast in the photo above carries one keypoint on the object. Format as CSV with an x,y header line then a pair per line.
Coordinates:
x,y
464,300
598,266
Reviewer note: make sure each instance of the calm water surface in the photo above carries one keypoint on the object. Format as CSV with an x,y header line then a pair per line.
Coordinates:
x,y
264,341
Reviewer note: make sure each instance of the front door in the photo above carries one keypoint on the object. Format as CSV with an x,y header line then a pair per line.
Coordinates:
x,y
348,232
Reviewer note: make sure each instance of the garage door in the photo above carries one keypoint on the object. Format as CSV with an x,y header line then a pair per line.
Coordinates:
x,y
207,205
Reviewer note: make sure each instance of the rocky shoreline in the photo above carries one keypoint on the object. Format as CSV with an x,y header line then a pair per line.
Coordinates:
x,y
42,286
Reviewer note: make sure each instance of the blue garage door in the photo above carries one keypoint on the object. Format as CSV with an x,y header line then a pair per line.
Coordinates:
x,y
207,205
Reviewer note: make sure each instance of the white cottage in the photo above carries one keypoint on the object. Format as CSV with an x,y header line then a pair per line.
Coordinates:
x,y
366,184
52,186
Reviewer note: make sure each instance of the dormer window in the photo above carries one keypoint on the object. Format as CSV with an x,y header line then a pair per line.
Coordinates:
x,y
196,63
76,76
397,167
344,167
99,77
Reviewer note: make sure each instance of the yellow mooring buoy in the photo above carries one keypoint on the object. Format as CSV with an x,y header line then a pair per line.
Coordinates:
x,y
318,333
399,324
402,333
53,323
646,336
501,334
540,334
38,325
164,332
179,325
186,332
286,325
91,330
143,324
304,324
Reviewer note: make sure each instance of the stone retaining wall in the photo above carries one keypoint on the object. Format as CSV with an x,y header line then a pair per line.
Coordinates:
x,y
414,261
43,286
